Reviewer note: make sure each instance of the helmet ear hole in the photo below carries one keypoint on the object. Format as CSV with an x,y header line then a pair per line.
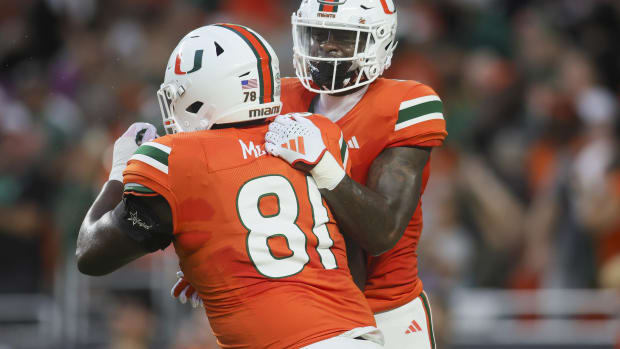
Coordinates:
x,y
382,32
374,71
194,107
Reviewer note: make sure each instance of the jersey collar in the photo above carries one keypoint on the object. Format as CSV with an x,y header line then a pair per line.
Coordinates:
x,y
336,107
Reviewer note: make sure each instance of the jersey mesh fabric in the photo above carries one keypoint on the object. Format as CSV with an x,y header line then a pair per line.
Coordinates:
x,y
246,309
392,113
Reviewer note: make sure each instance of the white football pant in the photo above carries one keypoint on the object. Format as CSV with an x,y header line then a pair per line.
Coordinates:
x,y
408,326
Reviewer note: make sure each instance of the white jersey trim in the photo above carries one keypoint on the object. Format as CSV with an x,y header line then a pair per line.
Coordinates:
x,y
151,162
413,102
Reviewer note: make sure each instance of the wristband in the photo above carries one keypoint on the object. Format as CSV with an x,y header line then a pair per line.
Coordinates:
x,y
327,173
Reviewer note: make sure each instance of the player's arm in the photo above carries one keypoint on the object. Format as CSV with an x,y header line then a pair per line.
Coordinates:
x,y
117,229
101,234
376,215
103,243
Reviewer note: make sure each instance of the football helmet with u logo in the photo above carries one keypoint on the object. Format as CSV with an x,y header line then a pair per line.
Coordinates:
x,y
219,74
340,45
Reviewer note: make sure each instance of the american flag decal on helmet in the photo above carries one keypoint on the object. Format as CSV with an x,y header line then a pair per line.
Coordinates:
x,y
249,84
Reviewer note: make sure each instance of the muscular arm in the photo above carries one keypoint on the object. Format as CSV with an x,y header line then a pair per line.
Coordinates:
x,y
376,215
104,243
102,246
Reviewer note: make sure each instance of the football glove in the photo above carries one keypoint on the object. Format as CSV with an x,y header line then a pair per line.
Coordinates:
x,y
184,291
127,144
299,142
296,140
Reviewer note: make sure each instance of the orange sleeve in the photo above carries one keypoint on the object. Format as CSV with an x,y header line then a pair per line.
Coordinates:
x,y
147,173
419,120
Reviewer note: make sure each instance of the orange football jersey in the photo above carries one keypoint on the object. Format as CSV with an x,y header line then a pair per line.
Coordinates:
x,y
392,113
253,236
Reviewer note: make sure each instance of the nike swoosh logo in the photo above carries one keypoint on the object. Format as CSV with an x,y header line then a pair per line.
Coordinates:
x,y
366,8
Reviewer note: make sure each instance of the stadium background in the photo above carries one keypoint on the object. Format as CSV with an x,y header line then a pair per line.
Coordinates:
x,y
521,244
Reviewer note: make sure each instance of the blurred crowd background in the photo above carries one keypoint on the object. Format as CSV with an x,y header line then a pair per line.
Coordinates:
x,y
521,244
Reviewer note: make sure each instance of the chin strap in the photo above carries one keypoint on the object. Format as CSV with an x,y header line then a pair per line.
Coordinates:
x,y
322,73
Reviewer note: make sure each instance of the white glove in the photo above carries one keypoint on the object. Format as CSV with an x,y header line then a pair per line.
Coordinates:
x,y
296,140
127,144
299,142
184,291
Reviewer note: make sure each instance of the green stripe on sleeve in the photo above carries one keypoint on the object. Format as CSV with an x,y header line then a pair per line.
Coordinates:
x,y
343,150
154,153
138,188
419,110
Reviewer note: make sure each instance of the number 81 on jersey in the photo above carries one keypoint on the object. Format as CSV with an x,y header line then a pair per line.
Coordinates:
x,y
283,223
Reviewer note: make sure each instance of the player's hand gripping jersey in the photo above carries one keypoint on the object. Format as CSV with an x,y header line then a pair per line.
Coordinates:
x,y
253,237
391,114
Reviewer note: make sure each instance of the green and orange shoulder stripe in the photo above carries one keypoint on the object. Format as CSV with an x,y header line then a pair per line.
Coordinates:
x,y
149,164
419,118
419,109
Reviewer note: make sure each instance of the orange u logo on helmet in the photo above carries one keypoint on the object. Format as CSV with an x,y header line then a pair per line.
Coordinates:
x,y
197,63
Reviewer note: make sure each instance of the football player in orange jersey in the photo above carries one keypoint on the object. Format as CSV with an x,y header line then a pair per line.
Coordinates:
x,y
252,233
341,48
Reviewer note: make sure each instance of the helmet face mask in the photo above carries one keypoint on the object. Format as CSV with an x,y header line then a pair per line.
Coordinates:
x,y
331,43
193,117
165,98
342,50
340,47
219,74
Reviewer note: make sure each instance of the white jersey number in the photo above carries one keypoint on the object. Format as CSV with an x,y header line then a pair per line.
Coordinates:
x,y
283,223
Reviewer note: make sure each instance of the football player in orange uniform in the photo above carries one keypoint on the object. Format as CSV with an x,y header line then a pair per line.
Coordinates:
x,y
390,126
252,234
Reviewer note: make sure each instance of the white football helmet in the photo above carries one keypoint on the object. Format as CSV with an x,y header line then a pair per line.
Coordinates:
x,y
219,74
340,45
